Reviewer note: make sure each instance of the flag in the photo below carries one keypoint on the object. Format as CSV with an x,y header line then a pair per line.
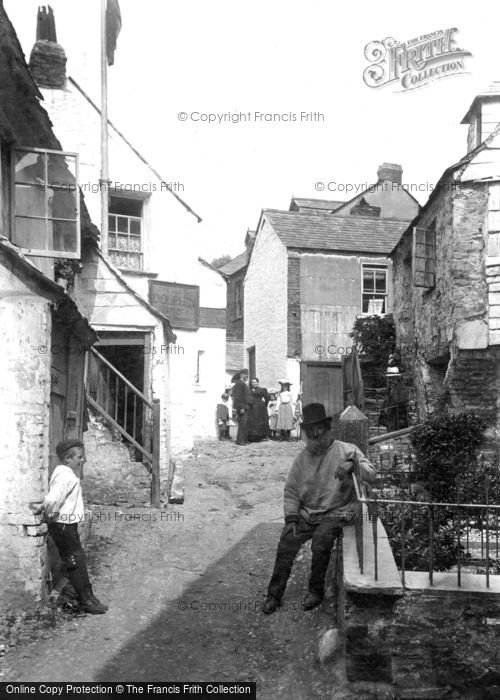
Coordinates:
x,y
113,26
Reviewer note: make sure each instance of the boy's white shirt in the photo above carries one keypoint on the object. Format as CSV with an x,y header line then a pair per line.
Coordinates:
x,y
64,496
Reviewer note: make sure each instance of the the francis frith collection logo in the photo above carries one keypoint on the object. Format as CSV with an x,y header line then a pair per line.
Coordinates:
x,y
416,62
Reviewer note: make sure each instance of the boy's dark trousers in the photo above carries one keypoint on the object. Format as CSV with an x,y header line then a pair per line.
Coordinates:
x,y
224,432
68,543
323,536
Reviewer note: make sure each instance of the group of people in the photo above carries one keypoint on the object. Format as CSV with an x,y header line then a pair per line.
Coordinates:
x,y
259,413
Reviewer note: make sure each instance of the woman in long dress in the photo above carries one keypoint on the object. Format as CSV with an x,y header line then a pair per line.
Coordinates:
x,y
258,428
285,411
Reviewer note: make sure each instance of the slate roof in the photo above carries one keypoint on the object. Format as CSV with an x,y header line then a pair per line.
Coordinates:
x,y
326,204
235,264
359,234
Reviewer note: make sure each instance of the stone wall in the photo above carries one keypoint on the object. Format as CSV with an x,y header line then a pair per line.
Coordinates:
x,y
390,454
24,445
422,645
443,330
294,330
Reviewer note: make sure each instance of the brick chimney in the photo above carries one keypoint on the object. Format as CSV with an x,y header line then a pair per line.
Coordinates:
x,y
390,172
48,59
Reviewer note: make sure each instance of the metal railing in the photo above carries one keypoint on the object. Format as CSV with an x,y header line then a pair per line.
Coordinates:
x,y
127,411
385,418
485,516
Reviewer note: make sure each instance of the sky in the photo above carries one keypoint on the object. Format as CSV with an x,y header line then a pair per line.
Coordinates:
x,y
281,57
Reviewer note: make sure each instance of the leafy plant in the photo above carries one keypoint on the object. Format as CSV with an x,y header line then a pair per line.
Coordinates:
x,y
375,336
417,537
445,447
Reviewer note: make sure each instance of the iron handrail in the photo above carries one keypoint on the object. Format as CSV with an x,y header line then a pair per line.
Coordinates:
x,y
361,494
152,455
124,379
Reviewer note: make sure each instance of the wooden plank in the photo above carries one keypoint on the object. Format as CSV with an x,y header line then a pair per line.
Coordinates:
x,y
155,464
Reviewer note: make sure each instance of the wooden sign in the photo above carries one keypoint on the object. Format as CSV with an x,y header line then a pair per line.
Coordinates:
x,y
180,303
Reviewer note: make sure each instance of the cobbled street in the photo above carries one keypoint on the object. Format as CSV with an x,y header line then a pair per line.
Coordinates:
x,y
185,587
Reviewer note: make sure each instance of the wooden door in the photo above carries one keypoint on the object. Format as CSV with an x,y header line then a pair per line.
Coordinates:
x,y
322,383
66,388
58,389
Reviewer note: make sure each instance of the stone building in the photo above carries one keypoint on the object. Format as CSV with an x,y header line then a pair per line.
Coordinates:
x,y
446,274
234,272
150,272
44,333
313,270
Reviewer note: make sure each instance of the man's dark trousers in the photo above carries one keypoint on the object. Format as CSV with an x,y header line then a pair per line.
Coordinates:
x,y
242,436
323,536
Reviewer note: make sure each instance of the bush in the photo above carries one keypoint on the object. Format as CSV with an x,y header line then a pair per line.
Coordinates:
x,y
375,336
445,447
417,537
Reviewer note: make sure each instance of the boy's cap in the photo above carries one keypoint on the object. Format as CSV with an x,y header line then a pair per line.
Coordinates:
x,y
66,445
225,397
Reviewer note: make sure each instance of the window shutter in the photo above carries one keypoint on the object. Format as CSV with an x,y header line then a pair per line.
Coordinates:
x,y
424,257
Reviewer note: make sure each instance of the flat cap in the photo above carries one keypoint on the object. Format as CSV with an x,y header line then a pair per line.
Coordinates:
x,y
66,445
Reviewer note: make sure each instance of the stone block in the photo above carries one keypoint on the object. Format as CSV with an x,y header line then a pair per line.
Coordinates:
x,y
177,488
331,645
494,337
23,518
472,335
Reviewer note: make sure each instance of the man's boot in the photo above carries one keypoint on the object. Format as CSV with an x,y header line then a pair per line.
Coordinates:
x,y
76,567
311,601
91,604
270,605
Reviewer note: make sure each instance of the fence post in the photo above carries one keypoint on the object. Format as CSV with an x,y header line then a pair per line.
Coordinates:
x,y
486,502
458,522
155,473
431,533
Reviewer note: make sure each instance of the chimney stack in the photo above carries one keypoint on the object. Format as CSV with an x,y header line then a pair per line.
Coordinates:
x,y
48,59
390,172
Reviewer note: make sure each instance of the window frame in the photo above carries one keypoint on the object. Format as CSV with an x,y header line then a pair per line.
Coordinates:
x,y
44,253
429,271
375,295
118,194
238,300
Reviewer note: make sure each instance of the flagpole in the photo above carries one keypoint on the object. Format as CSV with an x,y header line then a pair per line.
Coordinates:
x,y
104,183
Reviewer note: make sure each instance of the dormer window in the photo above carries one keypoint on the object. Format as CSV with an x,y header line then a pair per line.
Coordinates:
x,y
45,204
125,232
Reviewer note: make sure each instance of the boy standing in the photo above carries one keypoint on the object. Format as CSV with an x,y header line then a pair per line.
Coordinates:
x,y
223,418
63,509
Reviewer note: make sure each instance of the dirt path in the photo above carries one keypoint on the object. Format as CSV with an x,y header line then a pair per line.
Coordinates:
x,y
185,587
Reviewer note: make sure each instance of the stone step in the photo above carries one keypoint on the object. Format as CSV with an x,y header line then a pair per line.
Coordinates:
x,y
388,580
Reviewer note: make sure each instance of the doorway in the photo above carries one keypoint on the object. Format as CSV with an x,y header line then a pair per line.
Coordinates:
x,y
322,383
